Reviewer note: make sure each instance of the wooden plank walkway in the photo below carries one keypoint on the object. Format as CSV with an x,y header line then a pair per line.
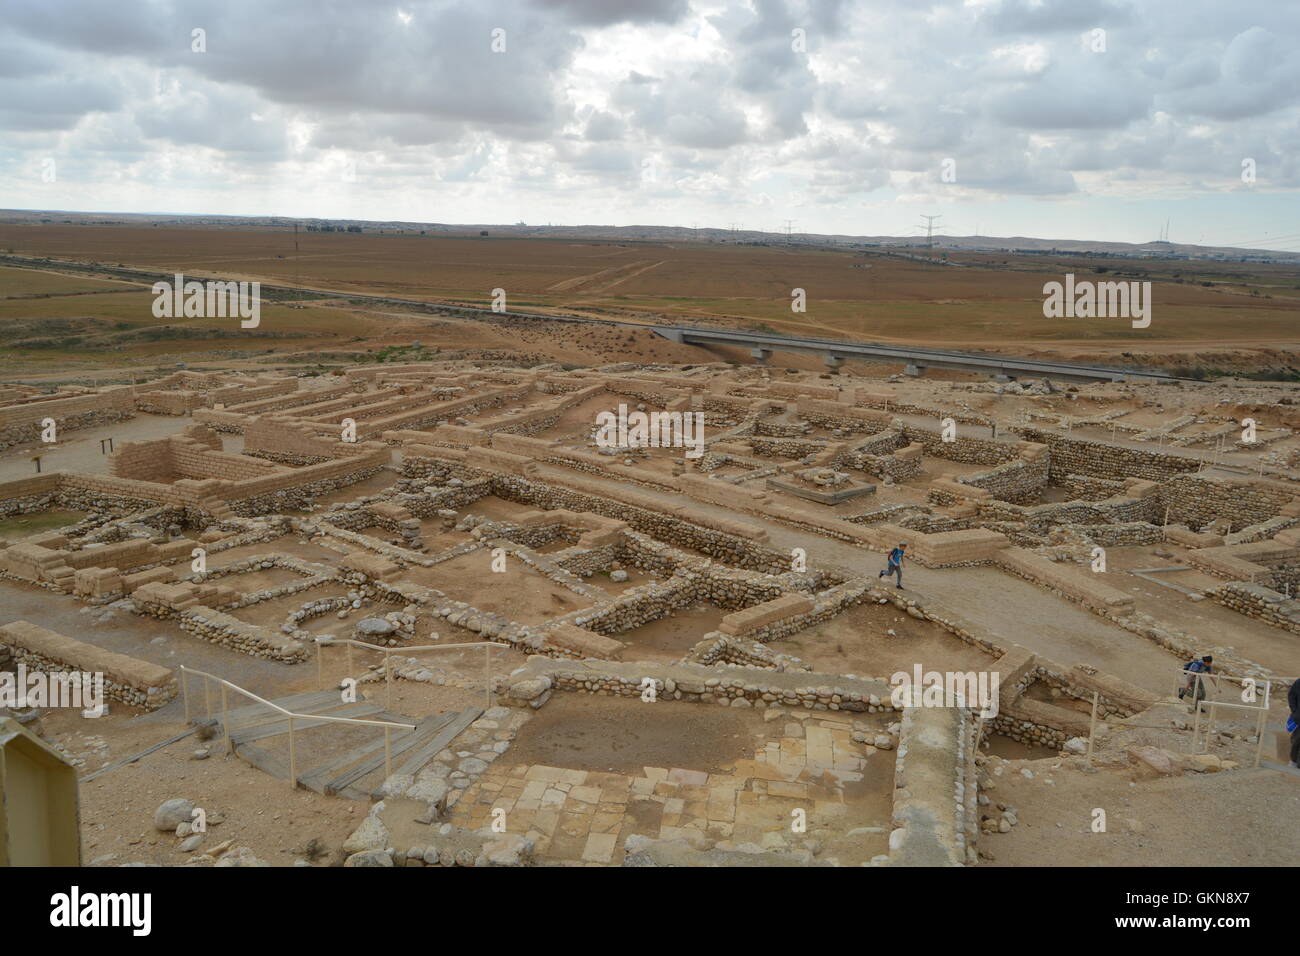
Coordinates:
x,y
340,775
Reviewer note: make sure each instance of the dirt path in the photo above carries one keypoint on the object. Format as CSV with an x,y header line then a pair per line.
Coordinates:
x,y
1237,818
999,603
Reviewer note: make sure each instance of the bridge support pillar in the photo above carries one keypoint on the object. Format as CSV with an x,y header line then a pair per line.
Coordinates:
x,y
833,362
760,355
914,370
1002,378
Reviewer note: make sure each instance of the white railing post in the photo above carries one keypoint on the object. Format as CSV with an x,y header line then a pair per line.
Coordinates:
x,y
293,758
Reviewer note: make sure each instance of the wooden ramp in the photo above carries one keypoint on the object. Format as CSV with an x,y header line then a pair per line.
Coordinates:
x,y
259,735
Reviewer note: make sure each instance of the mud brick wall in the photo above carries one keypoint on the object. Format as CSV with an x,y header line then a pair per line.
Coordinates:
x,y
29,495
221,420
294,399
270,436
118,399
1195,500
20,424
322,409
173,402
365,410
98,492
170,459
190,459
442,411
284,491
126,679
244,394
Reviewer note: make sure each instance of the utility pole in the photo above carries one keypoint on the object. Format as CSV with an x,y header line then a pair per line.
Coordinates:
x,y
929,230
789,225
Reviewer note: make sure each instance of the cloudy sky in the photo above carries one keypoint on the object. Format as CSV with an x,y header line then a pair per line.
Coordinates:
x,y
1053,118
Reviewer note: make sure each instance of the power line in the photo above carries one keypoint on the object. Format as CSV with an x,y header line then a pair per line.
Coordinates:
x,y
929,229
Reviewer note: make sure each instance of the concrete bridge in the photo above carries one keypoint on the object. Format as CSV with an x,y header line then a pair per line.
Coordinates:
x,y
915,360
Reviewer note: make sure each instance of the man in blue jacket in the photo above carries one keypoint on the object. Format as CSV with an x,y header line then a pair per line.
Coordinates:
x,y
1293,701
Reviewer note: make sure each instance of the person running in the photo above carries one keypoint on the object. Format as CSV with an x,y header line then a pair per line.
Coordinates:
x,y
1293,701
1195,682
895,565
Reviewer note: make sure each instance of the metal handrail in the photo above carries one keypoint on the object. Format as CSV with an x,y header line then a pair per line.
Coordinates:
x,y
349,643
387,725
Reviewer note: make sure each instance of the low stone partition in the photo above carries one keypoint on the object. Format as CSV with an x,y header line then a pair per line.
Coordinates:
x,y
725,649
1261,603
532,685
1062,581
751,619
578,642
126,679
1251,562
183,602
935,788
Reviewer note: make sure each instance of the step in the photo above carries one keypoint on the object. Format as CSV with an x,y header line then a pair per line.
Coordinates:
x,y
316,778
374,762
299,703
445,736
281,726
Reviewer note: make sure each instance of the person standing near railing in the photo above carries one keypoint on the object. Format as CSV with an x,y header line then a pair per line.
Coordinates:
x,y
1293,723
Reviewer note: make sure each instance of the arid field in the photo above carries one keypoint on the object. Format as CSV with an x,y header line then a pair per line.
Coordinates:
x,y
1215,317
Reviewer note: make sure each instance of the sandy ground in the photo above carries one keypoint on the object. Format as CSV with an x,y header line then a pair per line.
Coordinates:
x,y
1237,818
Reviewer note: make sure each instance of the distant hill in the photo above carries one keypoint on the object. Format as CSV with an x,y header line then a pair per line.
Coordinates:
x,y
1022,244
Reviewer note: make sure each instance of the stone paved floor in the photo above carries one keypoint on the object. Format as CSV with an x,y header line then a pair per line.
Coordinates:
x,y
583,816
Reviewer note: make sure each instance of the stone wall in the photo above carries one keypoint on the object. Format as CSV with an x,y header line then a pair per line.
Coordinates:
x,y
21,423
1099,459
126,679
